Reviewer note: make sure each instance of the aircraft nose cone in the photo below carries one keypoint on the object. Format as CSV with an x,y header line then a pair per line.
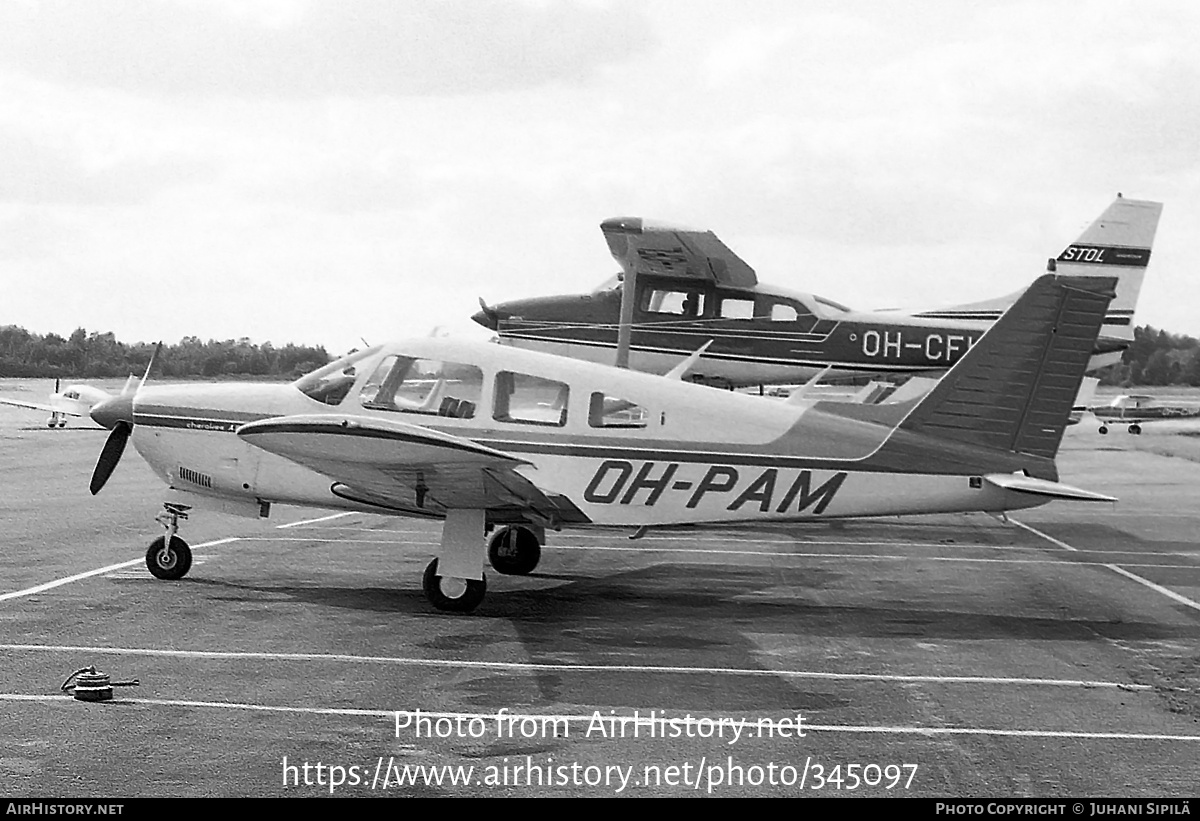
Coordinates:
x,y
489,316
111,411
486,319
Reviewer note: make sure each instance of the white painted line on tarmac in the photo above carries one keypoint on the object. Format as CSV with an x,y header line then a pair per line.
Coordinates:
x,y
311,521
1158,588
538,667
1037,532
541,720
29,591
1171,594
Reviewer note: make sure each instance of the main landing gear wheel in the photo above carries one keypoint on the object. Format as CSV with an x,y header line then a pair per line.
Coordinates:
x,y
1135,429
514,551
450,594
169,562
1103,429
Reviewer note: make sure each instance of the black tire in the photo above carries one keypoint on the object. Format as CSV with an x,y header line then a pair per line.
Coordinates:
x,y
472,594
1135,429
177,562
514,551
1103,429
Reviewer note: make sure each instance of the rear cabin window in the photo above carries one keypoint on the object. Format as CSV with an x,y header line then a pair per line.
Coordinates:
x,y
429,386
530,400
787,311
737,308
612,412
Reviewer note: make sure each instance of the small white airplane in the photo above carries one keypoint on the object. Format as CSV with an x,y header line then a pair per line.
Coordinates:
x,y
1132,410
492,438
74,400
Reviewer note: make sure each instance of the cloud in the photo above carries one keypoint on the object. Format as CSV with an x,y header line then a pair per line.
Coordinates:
x,y
367,48
41,173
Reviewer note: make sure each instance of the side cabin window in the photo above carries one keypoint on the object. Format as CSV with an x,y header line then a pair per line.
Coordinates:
x,y
737,308
530,400
612,412
672,303
785,311
429,386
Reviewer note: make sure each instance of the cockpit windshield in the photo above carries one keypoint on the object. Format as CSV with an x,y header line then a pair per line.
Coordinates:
x,y
331,383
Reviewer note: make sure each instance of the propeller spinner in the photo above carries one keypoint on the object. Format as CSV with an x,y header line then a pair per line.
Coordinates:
x,y
116,414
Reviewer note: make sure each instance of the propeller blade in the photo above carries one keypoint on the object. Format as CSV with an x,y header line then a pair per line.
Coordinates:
x,y
114,446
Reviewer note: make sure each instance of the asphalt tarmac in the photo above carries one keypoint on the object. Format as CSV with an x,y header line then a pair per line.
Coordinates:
x,y
1053,655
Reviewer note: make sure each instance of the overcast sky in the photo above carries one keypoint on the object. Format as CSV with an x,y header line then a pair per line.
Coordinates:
x,y
316,172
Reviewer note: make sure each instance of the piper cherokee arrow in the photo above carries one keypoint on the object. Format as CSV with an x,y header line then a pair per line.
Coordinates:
x,y
505,445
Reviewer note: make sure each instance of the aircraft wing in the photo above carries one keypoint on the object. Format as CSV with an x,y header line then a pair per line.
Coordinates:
x,y
666,250
18,403
400,465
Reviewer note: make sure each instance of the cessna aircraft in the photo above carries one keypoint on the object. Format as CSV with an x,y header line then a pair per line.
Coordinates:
x,y
1136,410
491,438
688,287
76,400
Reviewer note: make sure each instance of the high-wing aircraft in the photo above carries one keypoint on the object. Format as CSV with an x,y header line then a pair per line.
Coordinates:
x,y
74,400
493,439
1135,410
688,287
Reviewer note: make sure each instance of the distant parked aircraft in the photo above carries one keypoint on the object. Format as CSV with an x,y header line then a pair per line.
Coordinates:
x,y
74,400
1134,410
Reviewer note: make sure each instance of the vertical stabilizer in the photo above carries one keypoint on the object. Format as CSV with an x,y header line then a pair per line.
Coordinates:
x,y
1013,391
1117,244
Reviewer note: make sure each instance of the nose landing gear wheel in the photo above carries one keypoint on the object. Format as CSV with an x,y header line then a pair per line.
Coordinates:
x,y
450,594
514,551
169,562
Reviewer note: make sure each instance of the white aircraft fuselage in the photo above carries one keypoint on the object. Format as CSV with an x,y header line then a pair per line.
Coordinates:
x,y
485,436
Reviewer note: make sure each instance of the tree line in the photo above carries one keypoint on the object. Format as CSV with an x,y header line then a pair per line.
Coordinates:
x,y
88,355
1156,358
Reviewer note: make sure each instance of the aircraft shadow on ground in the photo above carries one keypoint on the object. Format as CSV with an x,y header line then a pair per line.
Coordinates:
x,y
695,607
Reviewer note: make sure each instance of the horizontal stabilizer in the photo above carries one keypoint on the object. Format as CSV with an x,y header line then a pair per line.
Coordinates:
x,y
1040,487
